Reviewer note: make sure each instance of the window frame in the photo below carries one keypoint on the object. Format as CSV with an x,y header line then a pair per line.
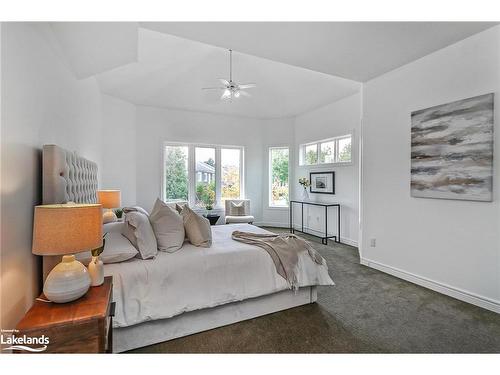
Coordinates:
x,y
336,162
192,179
270,175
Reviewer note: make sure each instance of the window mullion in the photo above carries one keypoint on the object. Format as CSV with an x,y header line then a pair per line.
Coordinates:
x,y
218,176
191,175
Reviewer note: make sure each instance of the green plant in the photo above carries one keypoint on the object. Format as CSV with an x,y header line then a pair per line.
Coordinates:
x,y
304,182
119,213
205,193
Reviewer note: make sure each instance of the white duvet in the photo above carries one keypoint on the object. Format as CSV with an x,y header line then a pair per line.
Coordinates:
x,y
195,278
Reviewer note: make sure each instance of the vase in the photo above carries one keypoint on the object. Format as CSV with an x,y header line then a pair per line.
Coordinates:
x,y
67,281
96,271
305,195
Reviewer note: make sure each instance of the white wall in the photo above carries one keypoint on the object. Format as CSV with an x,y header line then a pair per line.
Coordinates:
x,y
157,125
449,245
336,119
42,103
119,159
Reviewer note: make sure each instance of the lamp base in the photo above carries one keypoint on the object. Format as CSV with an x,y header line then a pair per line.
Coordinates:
x,y
67,281
109,216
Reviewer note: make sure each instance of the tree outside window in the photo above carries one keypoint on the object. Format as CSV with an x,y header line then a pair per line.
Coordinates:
x,y
279,163
176,175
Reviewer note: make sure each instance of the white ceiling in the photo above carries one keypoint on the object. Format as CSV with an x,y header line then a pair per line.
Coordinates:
x,y
171,71
298,68
354,50
94,47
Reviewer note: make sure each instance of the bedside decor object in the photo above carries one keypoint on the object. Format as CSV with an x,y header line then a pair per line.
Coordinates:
x,y
452,150
96,266
305,184
322,182
65,229
109,199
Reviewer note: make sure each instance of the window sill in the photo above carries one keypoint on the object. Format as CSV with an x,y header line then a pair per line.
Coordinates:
x,y
342,164
282,208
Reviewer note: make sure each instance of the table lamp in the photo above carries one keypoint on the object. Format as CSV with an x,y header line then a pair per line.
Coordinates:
x,y
65,229
109,199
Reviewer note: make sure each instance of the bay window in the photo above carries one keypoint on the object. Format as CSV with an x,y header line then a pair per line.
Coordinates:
x,y
203,175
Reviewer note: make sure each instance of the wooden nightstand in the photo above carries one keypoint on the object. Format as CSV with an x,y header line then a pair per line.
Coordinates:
x,y
81,326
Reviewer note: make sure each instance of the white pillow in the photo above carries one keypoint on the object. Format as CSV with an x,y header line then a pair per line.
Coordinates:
x,y
114,227
167,226
140,233
116,249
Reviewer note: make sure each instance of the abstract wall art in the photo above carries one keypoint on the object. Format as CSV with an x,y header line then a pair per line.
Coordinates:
x,y
452,150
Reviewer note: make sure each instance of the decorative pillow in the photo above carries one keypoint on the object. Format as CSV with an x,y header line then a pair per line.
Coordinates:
x,y
116,249
168,227
197,228
140,233
237,209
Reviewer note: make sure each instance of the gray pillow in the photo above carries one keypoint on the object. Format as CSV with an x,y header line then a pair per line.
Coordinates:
x,y
197,228
116,249
237,209
140,233
168,227
135,209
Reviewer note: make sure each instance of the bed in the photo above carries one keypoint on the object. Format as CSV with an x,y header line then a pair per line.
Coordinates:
x,y
191,290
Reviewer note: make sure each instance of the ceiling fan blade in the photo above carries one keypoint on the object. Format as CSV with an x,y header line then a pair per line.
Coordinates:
x,y
225,82
244,93
213,88
247,85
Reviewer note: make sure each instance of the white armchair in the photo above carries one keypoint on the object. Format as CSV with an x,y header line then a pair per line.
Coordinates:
x,y
238,211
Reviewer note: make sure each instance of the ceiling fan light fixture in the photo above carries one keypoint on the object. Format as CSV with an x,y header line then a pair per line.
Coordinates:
x,y
232,89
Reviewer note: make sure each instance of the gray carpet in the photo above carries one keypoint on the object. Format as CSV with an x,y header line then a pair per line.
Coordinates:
x,y
366,312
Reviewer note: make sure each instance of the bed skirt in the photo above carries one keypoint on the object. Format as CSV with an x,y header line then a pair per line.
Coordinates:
x,y
185,324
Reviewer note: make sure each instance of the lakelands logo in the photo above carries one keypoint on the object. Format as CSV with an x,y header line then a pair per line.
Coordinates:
x,y
27,343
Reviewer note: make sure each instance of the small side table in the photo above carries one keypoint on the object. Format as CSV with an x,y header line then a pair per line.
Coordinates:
x,y
81,326
212,218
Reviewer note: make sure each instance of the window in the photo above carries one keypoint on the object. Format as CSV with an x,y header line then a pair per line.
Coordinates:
x,y
203,175
176,168
327,151
278,177
205,167
230,173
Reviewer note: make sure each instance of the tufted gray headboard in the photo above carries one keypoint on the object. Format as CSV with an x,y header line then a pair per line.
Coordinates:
x,y
67,177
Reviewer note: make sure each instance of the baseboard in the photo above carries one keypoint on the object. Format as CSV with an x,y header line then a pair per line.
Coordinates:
x,y
457,293
344,240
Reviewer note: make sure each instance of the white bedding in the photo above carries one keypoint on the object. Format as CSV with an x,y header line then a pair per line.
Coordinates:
x,y
195,278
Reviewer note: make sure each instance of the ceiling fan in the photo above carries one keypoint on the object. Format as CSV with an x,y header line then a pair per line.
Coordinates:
x,y
230,88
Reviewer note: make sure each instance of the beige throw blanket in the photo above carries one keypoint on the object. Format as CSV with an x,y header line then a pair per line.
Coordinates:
x,y
284,250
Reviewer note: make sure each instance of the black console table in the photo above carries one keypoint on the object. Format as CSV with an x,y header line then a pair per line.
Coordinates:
x,y
324,240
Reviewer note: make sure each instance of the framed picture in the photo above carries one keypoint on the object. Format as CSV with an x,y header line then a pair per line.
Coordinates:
x,y
322,182
452,150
